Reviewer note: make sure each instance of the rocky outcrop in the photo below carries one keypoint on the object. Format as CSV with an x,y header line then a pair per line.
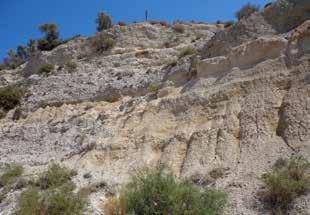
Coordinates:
x,y
243,57
285,15
279,17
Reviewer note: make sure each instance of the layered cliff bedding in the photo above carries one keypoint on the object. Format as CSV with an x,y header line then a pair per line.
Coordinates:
x,y
207,100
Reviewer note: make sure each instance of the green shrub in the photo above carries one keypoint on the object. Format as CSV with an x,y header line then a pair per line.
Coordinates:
x,y
53,196
44,45
153,88
46,68
55,176
11,180
71,66
10,97
246,11
15,59
188,51
51,37
287,180
64,201
179,28
10,175
229,24
51,202
103,22
103,43
30,203
157,192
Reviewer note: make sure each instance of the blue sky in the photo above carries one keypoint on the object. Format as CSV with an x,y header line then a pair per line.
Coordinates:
x,y
19,19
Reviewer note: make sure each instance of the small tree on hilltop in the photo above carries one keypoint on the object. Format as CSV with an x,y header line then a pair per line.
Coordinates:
x,y
246,11
51,37
31,47
103,22
50,30
22,53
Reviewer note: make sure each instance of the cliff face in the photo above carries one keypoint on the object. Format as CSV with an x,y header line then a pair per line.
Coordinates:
x,y
240,105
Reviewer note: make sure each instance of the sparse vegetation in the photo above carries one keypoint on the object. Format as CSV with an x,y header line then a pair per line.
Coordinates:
x,y
159,192
52,202
153,88
13,60
10,175
46,68
115,206
188,51
11,180
51,37
179,28
52,195
103,43
71,66
288,179
10,97
246,11
229,24
55,176
103,22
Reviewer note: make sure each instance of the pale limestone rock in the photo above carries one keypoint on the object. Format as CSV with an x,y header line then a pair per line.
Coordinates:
x,y
240,110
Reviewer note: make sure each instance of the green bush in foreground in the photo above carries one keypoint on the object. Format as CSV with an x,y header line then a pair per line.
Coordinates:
x,y
10,175
10,97
287,180
55,176
157,192
46,68
51,202
52,195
